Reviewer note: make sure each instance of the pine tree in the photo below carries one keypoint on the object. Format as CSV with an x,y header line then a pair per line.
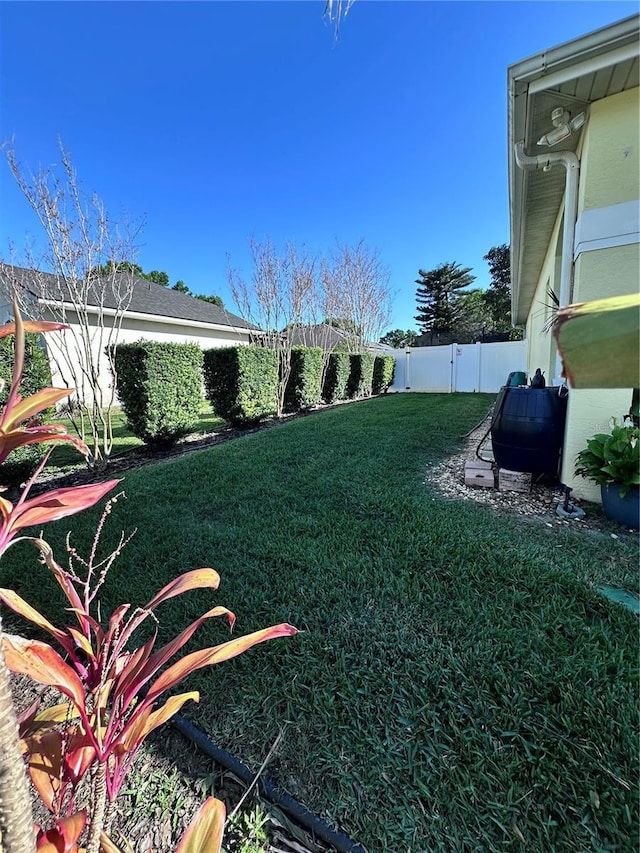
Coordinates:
x,y
436,296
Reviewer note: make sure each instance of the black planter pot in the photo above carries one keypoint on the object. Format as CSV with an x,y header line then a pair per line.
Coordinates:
x,y
623,510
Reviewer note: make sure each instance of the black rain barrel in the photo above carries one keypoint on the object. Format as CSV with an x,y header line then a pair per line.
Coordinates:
x,y
527,429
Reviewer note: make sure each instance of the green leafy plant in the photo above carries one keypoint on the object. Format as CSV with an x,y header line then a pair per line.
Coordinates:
x,y
383,371
35,376
160,389
304,386
361,375
242,382
336,377
612,457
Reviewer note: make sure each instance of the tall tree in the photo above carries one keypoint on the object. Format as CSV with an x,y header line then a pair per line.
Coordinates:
x,y
275,298
436,296
359,282
214,300
498,295
158,277
474,319
398,338
181,287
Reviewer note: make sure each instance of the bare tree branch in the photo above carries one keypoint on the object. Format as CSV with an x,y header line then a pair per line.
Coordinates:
x,y
276,299
90,289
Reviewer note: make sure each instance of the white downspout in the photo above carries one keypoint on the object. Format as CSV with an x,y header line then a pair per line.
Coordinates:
x,y
572,166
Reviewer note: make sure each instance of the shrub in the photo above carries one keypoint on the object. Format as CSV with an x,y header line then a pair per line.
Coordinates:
x,y
336,377
383,369
160,389
241,383
36,376
360,375
304,386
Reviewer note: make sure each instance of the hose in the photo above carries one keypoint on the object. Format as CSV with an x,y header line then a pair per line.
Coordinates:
x,y
338,840
474,428
495,416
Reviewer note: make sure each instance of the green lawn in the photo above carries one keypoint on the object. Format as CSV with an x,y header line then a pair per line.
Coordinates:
x,y
65,457
457,684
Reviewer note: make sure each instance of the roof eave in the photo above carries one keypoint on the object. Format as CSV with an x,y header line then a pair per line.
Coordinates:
x,y
153,318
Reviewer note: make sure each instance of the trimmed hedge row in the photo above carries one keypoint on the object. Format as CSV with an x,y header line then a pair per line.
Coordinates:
x,y
241,383
304,386
336,377
36,375
383,370
160,389
360,375
160,385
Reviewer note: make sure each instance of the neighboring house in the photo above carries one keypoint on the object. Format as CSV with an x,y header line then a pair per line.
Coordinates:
x,y
155,313
329,338
574,181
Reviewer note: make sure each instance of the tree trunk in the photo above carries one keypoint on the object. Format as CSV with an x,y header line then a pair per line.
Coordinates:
x,y
16,820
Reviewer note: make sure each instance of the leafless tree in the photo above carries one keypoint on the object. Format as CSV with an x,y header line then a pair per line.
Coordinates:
x,y
276,299
89,288
359,282
335,11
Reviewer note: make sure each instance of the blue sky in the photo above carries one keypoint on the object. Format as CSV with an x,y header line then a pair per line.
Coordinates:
x,y
217,121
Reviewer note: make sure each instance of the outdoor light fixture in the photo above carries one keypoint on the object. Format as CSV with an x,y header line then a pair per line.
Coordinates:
x,y
564,126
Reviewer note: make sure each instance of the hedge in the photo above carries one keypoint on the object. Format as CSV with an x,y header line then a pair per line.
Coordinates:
x,y
360,375
304,386
160,389
336,377
383,370
23,461
241,383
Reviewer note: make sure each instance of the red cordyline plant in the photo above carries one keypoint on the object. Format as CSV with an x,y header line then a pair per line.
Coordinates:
x,y
112,689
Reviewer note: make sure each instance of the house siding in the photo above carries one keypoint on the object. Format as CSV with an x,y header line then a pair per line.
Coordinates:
x,y
610,164
541,350
609,177
131,330
606,264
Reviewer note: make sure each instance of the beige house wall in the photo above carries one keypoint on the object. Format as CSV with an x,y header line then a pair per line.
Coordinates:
x,y
66,346
610,193
541,350
607,262
610,163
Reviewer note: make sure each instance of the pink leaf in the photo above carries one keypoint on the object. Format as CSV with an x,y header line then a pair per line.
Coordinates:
x,y
196,579
214,655
204,833
44,665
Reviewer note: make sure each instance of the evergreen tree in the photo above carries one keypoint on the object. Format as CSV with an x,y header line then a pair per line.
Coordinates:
x,y
158,277
474,319
399,338
436,296
498,296
214,300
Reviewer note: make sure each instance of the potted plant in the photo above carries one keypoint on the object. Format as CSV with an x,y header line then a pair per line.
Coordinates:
x,y
612,460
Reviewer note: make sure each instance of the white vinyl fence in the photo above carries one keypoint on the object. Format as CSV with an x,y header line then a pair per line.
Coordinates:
x,y
458,367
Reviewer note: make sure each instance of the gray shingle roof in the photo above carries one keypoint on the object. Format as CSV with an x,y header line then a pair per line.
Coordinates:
x,y
321,335
148,298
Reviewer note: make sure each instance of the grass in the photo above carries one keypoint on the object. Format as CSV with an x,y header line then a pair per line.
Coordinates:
x,y
458,683
65,458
